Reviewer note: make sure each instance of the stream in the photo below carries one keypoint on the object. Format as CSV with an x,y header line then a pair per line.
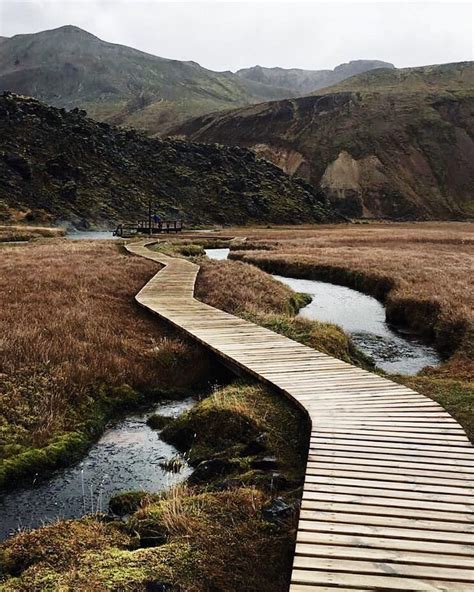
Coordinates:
x,y
363,318
91,235
127,457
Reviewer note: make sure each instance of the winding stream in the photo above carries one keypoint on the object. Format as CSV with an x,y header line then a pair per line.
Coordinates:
x,y
363,317
127,457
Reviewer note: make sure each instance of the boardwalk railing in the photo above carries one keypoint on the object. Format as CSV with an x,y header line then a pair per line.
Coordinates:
x,y
145,227
388,501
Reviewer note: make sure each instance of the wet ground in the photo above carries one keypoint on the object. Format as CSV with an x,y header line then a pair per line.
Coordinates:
x,y
91,235
127,457
218,254
363,317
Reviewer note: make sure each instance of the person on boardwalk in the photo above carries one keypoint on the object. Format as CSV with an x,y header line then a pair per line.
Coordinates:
x,y
156,218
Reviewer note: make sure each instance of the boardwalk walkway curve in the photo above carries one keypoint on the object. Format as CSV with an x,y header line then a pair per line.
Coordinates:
x,y
388,501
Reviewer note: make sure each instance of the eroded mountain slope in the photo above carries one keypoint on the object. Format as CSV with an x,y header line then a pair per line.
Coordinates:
x,y
388,143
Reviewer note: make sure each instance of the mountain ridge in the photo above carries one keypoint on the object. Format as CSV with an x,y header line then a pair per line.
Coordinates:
x,y
69,67
401,151
300,81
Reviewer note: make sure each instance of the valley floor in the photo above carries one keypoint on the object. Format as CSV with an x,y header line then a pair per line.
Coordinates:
x,y
77,350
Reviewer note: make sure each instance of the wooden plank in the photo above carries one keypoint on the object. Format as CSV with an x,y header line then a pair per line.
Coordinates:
x,y
386,510
399,448
428,497
385,499
411,523
373,454
383,555
401,584
380,568
369,541
311,588
372,482
412,534
400,477
393,435
320,467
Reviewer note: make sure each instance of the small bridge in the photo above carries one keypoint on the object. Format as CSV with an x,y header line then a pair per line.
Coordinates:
x,y
388,501
148,227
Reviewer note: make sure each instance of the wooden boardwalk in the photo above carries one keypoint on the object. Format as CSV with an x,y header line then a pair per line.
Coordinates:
x,y
388,501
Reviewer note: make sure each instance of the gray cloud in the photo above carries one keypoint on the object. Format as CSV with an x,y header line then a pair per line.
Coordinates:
x,y
231,35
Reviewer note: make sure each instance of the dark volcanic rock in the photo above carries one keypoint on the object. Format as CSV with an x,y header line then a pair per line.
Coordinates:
x,y
207,470
278,510
71,168
256,446
267,463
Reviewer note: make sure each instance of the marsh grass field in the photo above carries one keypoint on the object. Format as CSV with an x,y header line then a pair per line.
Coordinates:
x,y
76,349
22,232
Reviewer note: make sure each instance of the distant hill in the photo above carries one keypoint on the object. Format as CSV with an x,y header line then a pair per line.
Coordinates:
x,y
386,143
300,82
424,79
68,67
58,166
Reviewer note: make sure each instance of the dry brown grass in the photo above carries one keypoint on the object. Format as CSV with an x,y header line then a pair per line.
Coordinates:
x,y
238,287
9,233
228,534
423,271
70,329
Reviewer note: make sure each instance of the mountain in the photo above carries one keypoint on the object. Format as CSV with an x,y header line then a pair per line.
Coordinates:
x,y
68,67
300,82
59,166
425,79
386,143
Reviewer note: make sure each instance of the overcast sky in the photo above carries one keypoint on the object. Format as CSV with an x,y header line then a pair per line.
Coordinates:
x,y
225,35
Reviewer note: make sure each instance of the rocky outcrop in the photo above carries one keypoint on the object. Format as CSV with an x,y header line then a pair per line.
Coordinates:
x,y
61,166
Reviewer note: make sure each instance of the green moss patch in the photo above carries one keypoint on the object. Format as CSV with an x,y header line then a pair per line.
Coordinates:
x,y
239,422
